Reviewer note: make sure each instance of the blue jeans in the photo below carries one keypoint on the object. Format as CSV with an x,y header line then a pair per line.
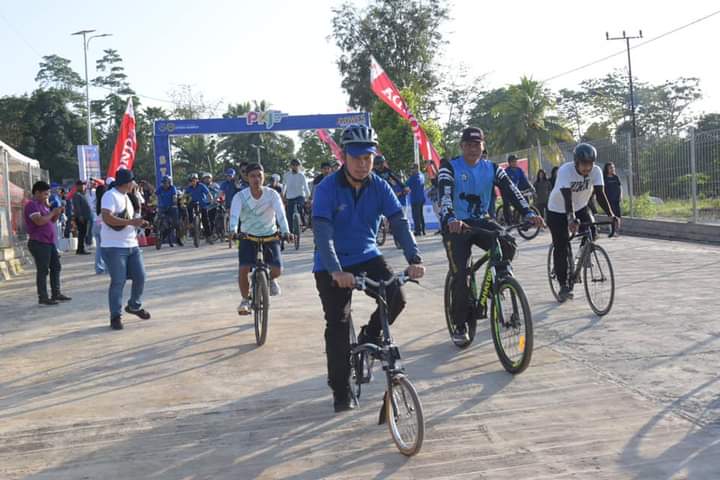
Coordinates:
x,y
123,264
99,262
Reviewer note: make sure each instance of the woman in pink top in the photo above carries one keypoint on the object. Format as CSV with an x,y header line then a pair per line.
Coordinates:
x,y
40,221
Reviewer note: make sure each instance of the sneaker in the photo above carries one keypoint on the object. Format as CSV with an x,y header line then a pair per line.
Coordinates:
x,y
365,337
61,298
48,301
343,401
565,294
116,322
274,288
140,312
460,336
244,308
180,243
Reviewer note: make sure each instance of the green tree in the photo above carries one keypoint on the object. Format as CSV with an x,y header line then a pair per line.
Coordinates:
x,y
666,110
572,106
597,131
12,112
485,115
312,151
459,95
56,73
52,133
144,157
403,35
523,118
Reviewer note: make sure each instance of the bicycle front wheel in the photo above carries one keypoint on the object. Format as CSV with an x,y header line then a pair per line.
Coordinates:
x,y
261,306
381,235
531,232
511,325
599,280
499,215
552,277
196,232
405,415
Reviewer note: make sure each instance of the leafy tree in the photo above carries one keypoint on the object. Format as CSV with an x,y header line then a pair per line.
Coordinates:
x,y
597,131
666,109
52,133
572,107
485,115
12,112
403,35
56,73
313,151
523,119
458,95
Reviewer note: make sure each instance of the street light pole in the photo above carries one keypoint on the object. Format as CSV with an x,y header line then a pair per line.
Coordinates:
x,y
257,149
86,42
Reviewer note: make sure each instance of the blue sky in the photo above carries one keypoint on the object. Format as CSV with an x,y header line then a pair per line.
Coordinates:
x,y
278,50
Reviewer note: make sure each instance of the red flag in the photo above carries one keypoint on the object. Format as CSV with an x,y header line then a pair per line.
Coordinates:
x,y
387,91
126,145
327,139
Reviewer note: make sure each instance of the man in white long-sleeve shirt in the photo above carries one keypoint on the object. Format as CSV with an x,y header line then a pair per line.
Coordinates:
x,y
259,210
295,190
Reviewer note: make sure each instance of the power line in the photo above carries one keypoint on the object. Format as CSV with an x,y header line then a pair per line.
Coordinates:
x,y
621,52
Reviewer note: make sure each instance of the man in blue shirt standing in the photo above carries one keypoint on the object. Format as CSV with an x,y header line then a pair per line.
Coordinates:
x,y
199,194
346,210
517,176
167,207
416,183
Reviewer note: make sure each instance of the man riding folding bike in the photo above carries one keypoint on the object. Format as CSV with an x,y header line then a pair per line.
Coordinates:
x,y
346,210
575,185
259,210
470,176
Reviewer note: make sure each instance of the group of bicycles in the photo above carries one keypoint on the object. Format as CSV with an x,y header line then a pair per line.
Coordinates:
x,y
494,296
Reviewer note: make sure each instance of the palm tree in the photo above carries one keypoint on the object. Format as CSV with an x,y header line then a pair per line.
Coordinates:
x,y
523,118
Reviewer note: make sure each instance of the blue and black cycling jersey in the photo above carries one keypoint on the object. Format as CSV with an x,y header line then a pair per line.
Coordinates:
x,y
466,191
517,175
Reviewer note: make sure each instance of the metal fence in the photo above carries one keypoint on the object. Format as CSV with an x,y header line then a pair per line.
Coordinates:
x,y
662,177
17,176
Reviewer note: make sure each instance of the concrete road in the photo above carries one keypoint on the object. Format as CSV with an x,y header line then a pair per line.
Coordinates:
x,y
188,394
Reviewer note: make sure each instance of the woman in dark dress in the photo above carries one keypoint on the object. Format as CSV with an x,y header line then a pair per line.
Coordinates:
x,y
613,188
542,191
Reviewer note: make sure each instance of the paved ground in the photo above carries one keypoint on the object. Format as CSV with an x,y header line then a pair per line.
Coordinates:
x,y
188,395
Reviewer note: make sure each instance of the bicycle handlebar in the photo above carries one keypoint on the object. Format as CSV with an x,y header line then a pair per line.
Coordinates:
x,y
362,282
595,224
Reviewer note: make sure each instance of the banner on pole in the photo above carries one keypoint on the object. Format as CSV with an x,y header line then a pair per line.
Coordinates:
x,y
388,92
328,140
88,161
126,145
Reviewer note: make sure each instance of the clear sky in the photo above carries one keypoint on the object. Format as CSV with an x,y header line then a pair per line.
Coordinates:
x,y
278,50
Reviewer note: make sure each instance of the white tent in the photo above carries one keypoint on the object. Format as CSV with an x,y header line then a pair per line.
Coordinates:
x,y
15,155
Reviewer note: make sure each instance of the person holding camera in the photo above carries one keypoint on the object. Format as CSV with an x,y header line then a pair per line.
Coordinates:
x,y
122,255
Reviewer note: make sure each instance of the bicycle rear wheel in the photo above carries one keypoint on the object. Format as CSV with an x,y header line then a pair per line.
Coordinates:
x,y
511,325
296,229
531,232
599,280
261,305
472,320
404,413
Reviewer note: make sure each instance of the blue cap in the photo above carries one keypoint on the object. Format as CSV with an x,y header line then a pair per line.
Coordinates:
x,y
358,149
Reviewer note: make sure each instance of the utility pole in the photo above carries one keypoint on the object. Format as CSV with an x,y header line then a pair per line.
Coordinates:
x,y
632,91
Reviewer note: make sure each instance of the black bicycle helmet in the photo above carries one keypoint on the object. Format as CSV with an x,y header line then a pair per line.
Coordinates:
x,y
355,134
584,152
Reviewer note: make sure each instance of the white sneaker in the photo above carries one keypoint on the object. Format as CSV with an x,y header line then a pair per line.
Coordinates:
x,y
274,288
244,308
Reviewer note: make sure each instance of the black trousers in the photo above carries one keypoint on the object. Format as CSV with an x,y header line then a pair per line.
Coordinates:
x,y
458,248
47,261
558,224
418,218
336,304
81,234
